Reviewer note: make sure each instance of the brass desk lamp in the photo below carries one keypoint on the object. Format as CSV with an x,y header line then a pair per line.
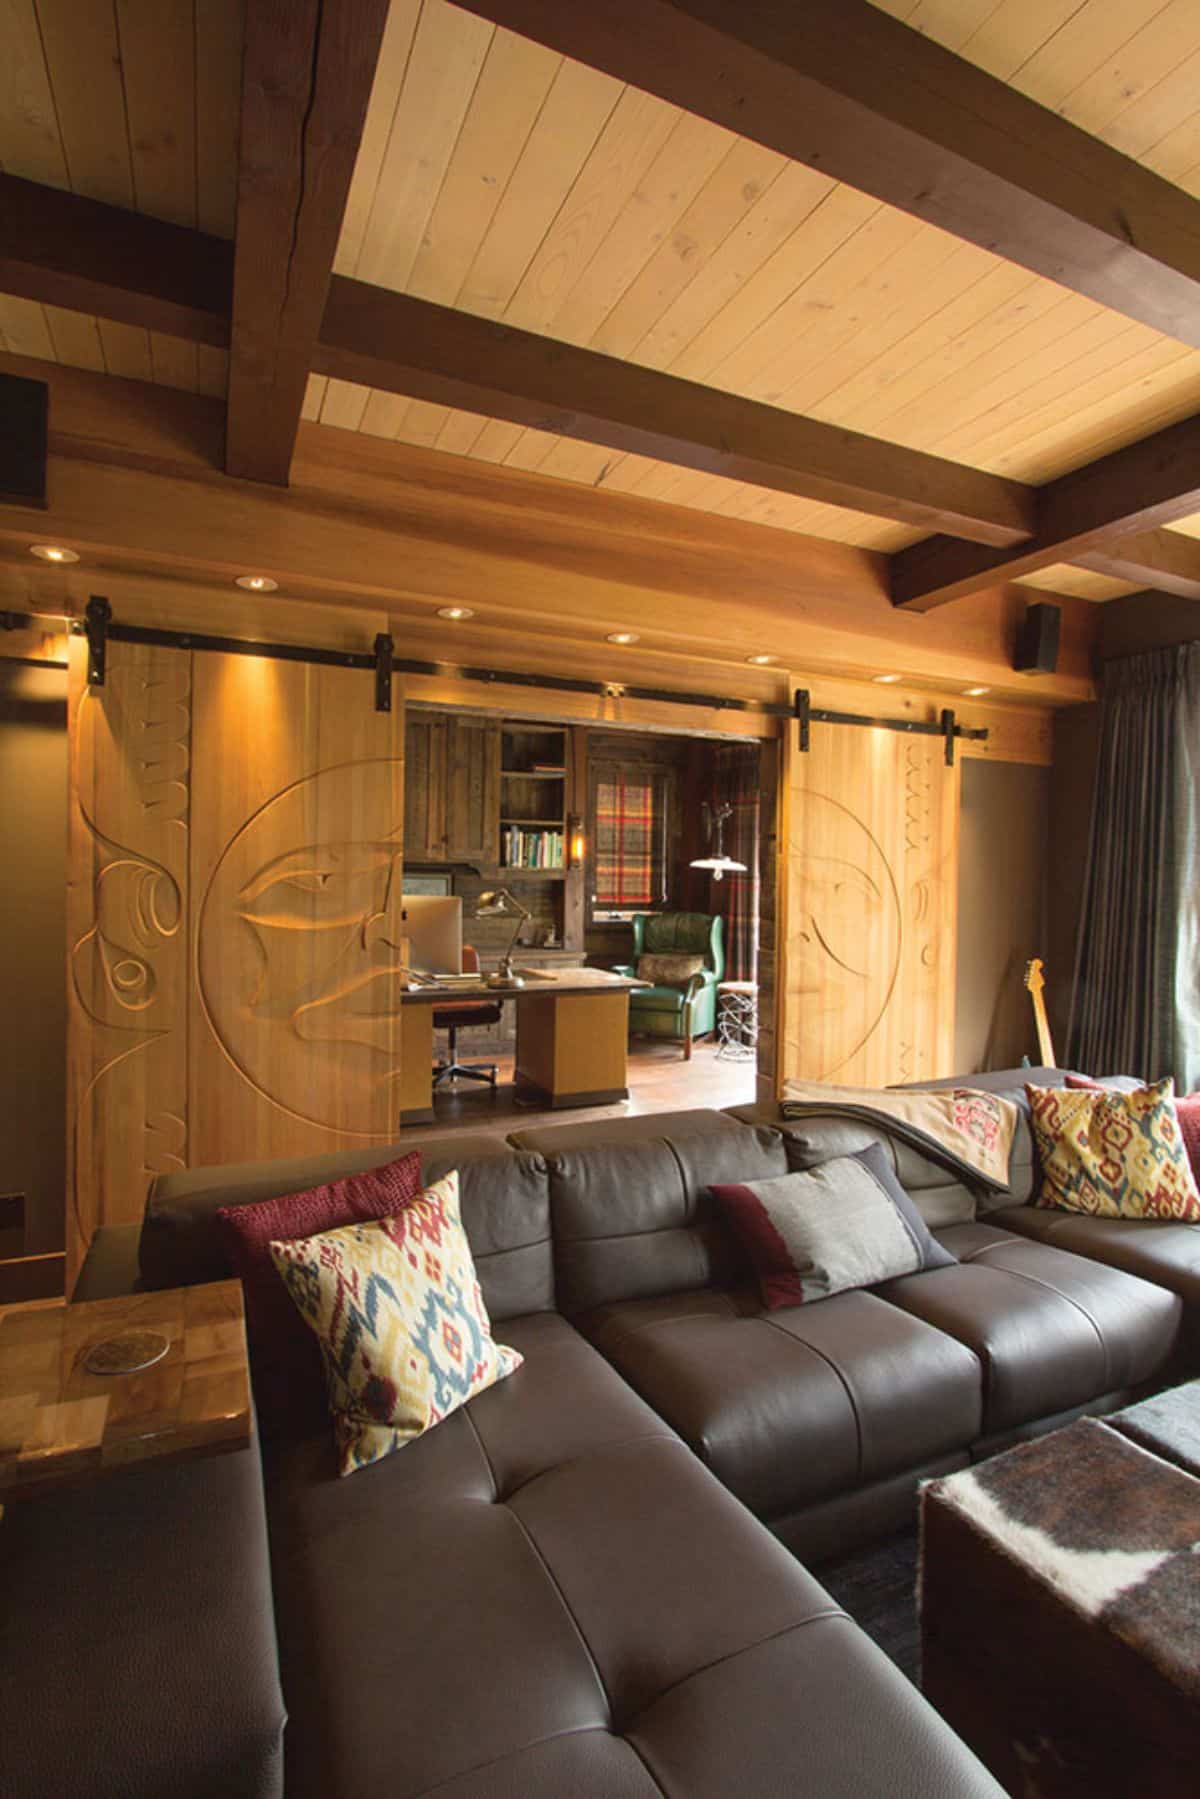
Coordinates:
x,y
498,903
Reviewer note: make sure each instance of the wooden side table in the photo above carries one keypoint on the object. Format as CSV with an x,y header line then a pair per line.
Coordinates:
x,y
737,1020
59,1421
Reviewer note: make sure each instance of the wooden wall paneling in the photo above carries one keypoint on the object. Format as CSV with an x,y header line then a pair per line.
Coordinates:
x,y
128,912
424,788
866,937
297,859
472,791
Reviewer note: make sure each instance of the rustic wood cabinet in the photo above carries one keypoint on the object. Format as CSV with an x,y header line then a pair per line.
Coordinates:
x,y
452,790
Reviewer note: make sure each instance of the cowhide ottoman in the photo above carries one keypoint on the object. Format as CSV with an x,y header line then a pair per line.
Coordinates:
x,y
1060,1615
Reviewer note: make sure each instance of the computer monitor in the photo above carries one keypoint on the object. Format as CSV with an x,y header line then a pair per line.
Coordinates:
x,y
433,926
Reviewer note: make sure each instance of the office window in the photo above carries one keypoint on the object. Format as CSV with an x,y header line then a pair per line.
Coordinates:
x,y
630,807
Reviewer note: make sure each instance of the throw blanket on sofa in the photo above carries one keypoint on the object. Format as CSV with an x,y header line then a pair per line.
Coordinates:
x,y
965,1130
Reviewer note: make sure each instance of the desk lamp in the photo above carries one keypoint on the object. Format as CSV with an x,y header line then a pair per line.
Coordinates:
x,y
498,903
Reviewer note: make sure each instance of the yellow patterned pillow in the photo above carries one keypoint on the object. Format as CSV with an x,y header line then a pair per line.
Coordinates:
x,y
397,1311
1116,1155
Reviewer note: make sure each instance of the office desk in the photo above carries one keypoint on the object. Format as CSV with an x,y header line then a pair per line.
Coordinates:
x,y
572,1037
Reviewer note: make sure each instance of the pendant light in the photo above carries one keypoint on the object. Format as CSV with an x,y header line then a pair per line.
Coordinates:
x,y
720,864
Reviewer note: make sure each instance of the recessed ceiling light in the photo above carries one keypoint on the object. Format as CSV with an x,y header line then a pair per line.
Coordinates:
x,y
885,680
622,637
52,552
456,612
973,693
760,661
257,583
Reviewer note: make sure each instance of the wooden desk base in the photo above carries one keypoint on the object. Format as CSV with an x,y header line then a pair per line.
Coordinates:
x,y
416,1065
572,1047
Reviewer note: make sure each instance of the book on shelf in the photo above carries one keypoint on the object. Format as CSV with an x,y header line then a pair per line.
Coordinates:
x,y
527,848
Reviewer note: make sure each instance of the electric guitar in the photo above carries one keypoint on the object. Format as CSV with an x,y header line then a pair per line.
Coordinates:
x,y
1035,982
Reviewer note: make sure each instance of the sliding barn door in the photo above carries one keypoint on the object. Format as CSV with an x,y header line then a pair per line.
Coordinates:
x,y
868,906
235,878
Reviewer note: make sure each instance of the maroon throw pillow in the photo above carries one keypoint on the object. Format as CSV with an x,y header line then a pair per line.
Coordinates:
x,y
289,1386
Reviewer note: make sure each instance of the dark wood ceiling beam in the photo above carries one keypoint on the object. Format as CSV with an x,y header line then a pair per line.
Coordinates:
x,y
848,90
1132,491
1166,561
65,250
413,347
307,71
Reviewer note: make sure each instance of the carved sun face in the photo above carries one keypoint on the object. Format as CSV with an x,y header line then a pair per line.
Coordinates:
x,y
300,950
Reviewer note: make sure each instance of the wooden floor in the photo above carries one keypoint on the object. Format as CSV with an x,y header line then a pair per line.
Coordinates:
x,y
659,1081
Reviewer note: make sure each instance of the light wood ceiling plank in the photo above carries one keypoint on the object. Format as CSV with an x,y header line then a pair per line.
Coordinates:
x,y
573,460
634,135
1060,577
126,350
838,84
692,152
576,112
84,61
1102,433
512,88
386,90
530,450
1121,82
344,405
383,414
495,440
447,55
1167,561
30,140
738,182
25,327
807,222
1010,34
460,432
314,395
158,68
75,338
422,423
220,29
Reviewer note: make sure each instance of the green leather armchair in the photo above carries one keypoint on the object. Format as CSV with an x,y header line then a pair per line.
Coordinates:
x,y
690,1009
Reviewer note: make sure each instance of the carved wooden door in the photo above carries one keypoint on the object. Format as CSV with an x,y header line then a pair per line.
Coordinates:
x,y
868,907
236,864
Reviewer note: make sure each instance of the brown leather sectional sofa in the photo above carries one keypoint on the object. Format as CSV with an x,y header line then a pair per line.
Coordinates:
x,y
563,1589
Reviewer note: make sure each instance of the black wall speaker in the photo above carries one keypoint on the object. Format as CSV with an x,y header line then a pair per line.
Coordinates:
x,y
24,406
1037,640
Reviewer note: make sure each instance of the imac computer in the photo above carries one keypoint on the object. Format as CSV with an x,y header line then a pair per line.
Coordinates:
x,y
433,926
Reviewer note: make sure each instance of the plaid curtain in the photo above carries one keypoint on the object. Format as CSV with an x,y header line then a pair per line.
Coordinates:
x,y
629,834
736,896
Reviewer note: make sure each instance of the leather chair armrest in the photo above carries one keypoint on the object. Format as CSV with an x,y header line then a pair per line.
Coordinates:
x,y
110,1268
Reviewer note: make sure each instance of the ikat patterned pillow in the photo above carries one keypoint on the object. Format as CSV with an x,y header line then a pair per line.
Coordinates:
x,y
400,1320
1114,1155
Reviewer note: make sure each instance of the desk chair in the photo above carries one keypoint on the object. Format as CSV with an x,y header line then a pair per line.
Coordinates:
x,y
452,1016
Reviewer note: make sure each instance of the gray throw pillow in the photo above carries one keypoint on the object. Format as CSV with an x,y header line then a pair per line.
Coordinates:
x,y
846,1223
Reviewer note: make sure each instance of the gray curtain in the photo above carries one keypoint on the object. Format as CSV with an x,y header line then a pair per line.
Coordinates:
x,y
1136,1005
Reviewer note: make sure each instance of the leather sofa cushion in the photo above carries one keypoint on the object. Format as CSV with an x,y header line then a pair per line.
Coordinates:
x,y
1051,1330
519,1603
631,1213
137,1637
505,1208
790,1406
1157,1249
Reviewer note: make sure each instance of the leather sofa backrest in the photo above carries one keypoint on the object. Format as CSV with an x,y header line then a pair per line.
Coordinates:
x,y
505,1208
628,1207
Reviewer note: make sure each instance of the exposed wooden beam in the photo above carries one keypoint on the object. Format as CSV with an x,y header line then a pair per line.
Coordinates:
x,y
848,90
135,485
409,346
1166,561
1134,490
307,71
65,250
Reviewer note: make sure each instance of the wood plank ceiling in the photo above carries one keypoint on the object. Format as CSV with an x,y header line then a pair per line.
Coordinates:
x,y
136,103
499,178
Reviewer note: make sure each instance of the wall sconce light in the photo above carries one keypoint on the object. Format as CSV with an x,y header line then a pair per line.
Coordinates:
x,y
576,841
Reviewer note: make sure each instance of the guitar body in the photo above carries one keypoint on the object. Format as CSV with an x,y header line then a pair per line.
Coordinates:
x,y
1035,982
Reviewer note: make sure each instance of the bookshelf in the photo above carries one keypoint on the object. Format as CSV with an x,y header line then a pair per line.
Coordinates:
x,y
533,801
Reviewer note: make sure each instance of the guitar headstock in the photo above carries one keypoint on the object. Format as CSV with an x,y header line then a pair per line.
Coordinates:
x,y
1034,979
